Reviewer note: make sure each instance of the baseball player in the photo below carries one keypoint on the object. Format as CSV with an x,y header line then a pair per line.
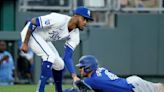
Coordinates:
x,y
102,80
40,31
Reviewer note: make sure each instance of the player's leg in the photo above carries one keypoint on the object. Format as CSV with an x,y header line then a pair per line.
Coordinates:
x,y
41,48
143,85
57,69
45,75
57,76
160,86
138,84
153,87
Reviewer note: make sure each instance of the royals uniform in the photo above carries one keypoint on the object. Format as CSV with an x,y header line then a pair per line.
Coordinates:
x,y
52,27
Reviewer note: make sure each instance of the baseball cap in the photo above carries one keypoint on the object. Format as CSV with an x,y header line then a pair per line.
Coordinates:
x,y
83,11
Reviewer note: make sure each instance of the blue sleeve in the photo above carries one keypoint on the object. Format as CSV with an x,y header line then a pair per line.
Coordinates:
x,y
90,82
37,22
32,26
68,53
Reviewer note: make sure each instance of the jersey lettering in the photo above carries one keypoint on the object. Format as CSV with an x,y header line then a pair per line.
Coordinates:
x,y
54,35
111,75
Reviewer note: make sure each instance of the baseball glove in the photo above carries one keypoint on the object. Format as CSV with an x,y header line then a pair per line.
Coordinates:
x,y
81,86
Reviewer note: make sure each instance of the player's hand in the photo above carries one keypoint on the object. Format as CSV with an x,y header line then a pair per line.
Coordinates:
x,y
75,78
5,58
24,48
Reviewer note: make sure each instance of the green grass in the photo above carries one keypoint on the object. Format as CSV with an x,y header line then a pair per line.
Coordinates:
x,y
28,88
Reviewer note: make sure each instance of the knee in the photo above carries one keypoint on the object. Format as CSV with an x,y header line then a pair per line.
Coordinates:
x,y
58,65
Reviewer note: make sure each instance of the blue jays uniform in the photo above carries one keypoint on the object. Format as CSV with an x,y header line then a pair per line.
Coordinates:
x,y
104,81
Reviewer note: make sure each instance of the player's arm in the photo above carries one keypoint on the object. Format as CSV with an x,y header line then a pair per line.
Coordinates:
x,y
32,25
70,45
68,53
42,22
82,86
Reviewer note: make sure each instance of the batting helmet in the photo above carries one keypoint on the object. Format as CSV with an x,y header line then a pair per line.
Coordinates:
x,y
89,62
83,11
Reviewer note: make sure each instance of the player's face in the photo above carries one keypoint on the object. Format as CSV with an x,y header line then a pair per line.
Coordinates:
x,y
81,70
82,22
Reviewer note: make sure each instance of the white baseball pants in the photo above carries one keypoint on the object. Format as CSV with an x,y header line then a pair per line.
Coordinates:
x,y
44,49
143,85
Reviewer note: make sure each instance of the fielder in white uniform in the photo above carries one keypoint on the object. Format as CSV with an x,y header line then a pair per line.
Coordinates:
x,y
40,31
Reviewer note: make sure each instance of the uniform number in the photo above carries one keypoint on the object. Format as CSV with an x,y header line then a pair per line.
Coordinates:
x,y
111,75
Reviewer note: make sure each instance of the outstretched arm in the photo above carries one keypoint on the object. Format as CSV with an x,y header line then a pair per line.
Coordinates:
x,y
31,27
68,53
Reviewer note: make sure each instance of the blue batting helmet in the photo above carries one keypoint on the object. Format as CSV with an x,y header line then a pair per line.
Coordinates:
x,y
83,11
89,62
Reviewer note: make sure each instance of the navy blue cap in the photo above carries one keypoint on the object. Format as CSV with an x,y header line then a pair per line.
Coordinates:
x,y
83,11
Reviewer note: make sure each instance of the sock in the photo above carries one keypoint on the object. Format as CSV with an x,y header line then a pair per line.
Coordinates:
x,y
45,75
58,76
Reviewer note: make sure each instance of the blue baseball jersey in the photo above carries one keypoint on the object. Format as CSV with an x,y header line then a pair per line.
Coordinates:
x,y
104,81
